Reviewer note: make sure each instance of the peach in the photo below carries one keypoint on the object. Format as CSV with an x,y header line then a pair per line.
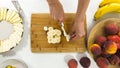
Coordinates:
x,y
116,39
100,40
85,62
102,62
118,53
114,59
110,47
118,31
72,63
111,29
95,49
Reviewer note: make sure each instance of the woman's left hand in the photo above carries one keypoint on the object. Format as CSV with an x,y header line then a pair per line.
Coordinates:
x,y
77,30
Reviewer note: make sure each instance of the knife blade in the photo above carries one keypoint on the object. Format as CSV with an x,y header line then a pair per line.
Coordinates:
x,y
18,7
65,33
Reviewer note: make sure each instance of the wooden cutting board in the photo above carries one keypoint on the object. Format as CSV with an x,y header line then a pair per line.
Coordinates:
x,y
39,38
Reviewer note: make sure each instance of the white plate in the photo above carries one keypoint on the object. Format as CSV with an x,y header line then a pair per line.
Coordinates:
x,y
14,62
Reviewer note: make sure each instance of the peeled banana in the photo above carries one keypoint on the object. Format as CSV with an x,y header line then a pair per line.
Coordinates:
x,y
113,7
105,2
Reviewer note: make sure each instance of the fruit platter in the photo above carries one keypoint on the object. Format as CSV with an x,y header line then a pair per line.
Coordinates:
x,y
13,18
104,43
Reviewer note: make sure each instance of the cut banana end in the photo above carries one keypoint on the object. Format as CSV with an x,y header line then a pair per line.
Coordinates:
x,y
68,38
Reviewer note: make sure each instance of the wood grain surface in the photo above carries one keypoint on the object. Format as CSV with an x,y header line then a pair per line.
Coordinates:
x,y
39,38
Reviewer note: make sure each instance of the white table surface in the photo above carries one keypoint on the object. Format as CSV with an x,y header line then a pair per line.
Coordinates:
x,y
44,60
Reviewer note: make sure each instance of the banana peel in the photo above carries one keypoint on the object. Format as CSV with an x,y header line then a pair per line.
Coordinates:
x,y
105,2
113,7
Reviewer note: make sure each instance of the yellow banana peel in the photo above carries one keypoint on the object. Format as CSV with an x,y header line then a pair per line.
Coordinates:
x,y
105,2
113,7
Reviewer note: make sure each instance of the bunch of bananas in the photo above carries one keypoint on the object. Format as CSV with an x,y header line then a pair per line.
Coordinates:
x,y
107,6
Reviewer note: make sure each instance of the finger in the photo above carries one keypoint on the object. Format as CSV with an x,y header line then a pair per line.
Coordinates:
x,y
72,36
54,17
72,32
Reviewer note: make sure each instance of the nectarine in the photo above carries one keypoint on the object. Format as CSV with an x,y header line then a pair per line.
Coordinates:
x,y
110,47
95,49
111,29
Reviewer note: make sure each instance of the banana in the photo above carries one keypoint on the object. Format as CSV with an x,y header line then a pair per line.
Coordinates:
x,y
113,7
105,2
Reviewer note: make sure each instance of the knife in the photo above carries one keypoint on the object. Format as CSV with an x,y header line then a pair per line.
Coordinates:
x,y
67,36
18,7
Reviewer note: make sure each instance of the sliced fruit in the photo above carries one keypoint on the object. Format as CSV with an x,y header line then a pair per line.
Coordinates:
x,y
4,13
12,15
113,7
18,20
9,13
16,16
1,13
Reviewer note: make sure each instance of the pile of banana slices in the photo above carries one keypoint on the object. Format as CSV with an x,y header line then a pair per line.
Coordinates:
x,y
14,18
53,35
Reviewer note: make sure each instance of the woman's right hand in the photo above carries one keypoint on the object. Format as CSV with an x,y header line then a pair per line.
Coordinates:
x,y
56,10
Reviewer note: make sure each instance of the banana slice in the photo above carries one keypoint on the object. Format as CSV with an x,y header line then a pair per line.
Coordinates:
x,y
57,32
19,33
53,41
50,28
4,13
9,13
49,37
45,28
12,15
50,40
17,29
16,16
1,13
18,25
18,20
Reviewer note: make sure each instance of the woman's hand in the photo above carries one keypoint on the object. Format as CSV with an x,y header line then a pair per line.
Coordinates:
x,y
77,30
56,10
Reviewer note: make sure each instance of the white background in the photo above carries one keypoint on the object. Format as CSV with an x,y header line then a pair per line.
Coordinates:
x,y
44,60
